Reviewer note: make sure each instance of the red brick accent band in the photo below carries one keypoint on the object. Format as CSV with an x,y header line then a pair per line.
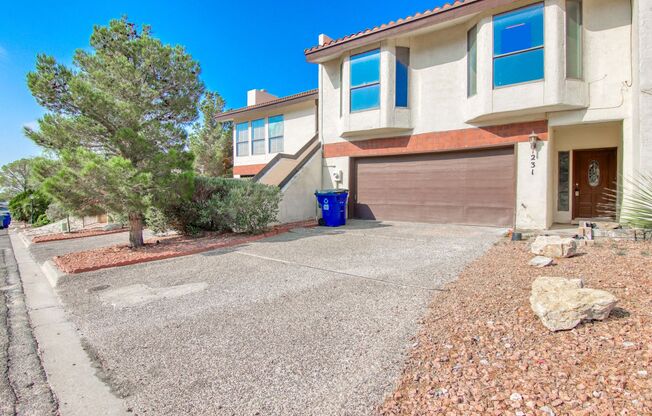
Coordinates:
x,y
248,169
440,141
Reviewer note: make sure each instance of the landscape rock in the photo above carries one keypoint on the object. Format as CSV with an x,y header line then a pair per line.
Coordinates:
x,y
607,225
547,284
562,303
554,246
541,261
112,226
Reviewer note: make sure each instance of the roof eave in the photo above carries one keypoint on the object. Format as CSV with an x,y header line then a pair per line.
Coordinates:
x,y
233,114
327,52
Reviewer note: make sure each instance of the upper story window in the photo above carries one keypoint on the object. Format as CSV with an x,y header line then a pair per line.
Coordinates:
x,y
365,80
574,39
472,61
275,134
242,139
518,46
402,71
258,137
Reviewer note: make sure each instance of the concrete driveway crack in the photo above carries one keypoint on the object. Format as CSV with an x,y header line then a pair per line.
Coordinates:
x,y
358,276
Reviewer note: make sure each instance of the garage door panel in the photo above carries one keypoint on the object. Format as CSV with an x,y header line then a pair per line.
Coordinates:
x,y
472,187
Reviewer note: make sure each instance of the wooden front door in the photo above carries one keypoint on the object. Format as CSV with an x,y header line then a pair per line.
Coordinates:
x,y
594,172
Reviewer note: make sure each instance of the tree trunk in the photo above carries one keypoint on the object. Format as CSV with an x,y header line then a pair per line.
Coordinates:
x,y
136,230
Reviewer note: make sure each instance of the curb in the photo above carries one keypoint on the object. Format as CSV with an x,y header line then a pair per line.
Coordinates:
x,y
70,371
52,273
59,270
72,236
26,241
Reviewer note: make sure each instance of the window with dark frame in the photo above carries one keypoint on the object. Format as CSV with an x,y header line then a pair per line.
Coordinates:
x,y
518,46
341,87
472,62
402,75
242,139
365,81
563,183
574,39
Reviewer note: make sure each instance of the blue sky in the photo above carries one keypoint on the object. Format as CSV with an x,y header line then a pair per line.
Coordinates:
x,y
240,45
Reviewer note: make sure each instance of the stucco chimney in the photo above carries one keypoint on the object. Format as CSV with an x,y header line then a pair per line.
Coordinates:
x,y
324,39
258,97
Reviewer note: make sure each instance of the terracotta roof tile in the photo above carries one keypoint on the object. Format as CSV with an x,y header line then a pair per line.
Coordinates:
x,y
419,15
305,95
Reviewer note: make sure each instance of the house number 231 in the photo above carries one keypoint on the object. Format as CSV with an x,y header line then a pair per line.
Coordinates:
x,y
533,162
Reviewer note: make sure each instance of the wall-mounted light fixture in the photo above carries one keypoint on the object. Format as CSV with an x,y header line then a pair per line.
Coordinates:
x,y
533,139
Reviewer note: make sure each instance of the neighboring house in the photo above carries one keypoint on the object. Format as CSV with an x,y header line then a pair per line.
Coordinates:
x,y
490,112
275,142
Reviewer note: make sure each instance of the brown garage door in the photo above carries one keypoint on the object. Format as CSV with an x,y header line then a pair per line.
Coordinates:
x,y
470,187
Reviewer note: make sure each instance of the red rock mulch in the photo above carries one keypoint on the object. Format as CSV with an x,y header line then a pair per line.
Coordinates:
x,y
482,351
160,248
74,234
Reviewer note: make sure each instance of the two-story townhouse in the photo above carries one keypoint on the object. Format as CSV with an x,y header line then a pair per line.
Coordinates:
x,y
275,142
493,112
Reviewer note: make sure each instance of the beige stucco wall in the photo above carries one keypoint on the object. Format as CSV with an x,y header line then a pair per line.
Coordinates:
x,y
300,126
299,202
642,85
438,98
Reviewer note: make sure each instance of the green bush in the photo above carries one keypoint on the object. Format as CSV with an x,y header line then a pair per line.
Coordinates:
x,y
221,204
156,220
42,220
118,218
28,205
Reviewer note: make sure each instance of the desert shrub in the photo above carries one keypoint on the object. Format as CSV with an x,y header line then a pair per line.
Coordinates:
x,y
636,204
156,220
251,208
55,212
42,220
28,205
221,204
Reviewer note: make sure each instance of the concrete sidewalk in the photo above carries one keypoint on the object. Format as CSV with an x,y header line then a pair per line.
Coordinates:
x,y
24,388
70,372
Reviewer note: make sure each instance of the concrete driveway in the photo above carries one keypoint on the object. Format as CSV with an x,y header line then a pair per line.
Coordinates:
x,y
312,322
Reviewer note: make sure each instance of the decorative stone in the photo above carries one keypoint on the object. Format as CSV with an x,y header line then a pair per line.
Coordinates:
x,y
562,303
554,246
111,227
545,284
541,261
607,225
515,397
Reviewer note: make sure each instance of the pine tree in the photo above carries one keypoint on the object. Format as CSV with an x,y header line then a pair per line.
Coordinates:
x,y
211,141
117,120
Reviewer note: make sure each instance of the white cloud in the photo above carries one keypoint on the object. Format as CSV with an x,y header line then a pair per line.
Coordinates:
x,y
3,53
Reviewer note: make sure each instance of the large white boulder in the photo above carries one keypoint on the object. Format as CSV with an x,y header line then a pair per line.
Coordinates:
x,y
554,246
562,303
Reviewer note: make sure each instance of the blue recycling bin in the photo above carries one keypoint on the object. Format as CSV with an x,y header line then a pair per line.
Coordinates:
x,y
333,206
5,219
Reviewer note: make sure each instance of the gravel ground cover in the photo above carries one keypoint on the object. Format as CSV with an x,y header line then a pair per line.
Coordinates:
x,y
482,350
159,248
74,234
45,251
